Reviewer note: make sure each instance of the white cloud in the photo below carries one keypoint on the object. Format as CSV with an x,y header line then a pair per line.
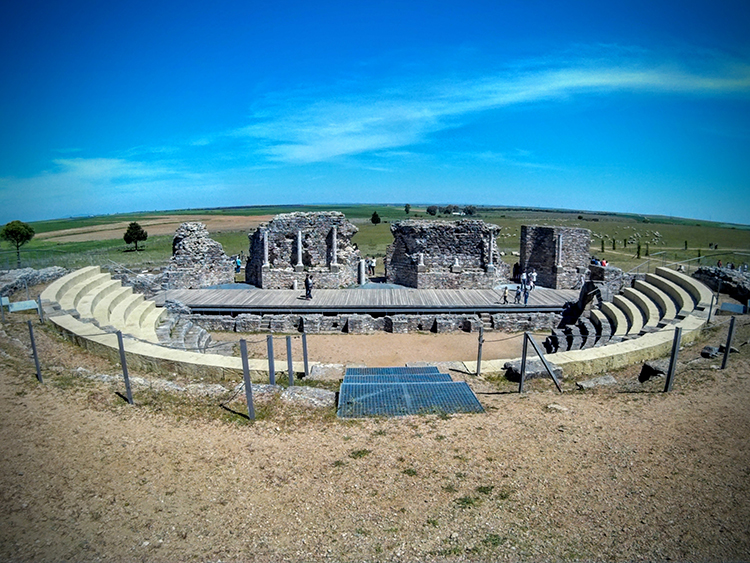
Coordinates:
x,y
394,118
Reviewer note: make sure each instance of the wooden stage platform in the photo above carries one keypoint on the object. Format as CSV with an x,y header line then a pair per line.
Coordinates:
x,y
386,301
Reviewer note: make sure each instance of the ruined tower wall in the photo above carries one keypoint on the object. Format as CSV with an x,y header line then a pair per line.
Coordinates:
x,y
445,255
198,260
292,245
558,254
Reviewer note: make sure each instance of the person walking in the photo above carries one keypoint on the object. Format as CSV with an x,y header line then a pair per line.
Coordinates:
x,y
517,299
532,279
505,295
526,296
308,287
523,280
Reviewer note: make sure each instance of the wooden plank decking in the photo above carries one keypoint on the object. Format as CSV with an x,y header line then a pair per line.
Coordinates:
x,y
387,300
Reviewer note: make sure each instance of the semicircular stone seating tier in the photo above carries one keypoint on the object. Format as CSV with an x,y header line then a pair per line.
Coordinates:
x,y
90,307
638,324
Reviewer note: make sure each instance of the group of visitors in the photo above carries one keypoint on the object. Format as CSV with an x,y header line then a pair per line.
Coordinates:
x,y
596,262
370,264
528,283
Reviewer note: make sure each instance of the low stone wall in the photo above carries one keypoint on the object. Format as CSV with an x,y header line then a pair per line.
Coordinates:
x,y
363,324
12,281
734,283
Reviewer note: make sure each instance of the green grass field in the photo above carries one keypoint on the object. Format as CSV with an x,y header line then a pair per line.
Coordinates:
x,y
733,240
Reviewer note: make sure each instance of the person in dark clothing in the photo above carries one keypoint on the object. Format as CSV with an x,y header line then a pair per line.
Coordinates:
x,y
308,287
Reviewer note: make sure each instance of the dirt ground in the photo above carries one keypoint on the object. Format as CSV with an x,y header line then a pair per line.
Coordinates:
x,y
159,225
383,348
620,474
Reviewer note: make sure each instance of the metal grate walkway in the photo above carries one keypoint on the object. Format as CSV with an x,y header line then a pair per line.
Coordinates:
x,y
401,391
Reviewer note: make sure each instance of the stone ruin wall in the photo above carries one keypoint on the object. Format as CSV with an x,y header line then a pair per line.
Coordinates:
x,y
363,324
197,260
558,254
285,265
445,255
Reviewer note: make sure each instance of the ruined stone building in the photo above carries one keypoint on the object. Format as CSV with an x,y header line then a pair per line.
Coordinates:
x,y
291,245
558,254
445,255
197,260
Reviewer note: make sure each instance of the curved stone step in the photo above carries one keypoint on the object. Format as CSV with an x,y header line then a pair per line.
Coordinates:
x,y
603,327
107,303
662,300
89,301
587,328
59,287
698,291
135,317
632,313
72,297
574,338
118,318
616,317
648,308
149,323
682,299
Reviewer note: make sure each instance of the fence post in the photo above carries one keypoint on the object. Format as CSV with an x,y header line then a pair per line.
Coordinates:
x,y
304,354
246,379
124,364
479,350
728,345
710,309
41,311
673,359
271,363
33,349
523,362
289,365
2,309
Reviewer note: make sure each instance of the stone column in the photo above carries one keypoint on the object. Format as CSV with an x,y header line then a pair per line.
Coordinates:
x,y
334,244
265,248
362,275
420,265
490,269
299,267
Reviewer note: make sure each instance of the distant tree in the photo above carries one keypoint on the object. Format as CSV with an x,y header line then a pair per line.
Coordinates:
x,y
135,234
449,209
432,210
375,218
17,233
407,208
470,210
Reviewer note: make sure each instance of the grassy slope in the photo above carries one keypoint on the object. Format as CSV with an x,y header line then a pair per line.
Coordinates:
x,y
373,239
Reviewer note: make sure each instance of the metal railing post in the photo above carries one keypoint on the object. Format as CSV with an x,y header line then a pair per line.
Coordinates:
x,y
479,350
124,364
673,359
33,349
290,367
523,361
246,379
304,354
728,345
271,363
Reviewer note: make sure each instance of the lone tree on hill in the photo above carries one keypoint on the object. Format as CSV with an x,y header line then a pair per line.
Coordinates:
x,y
407,208
375,218
134,234
18,233
432,210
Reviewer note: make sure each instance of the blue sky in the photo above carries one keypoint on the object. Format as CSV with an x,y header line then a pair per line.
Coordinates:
x,y
636,107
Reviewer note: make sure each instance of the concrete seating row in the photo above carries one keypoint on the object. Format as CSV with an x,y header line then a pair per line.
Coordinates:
x,y
662,299
88,306
90,294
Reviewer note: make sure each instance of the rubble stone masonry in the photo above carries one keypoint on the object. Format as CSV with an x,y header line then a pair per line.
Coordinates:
x,y
292,245
445,255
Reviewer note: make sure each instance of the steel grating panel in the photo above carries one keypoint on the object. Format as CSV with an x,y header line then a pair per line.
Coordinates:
x,y
405,378
392,370
399,399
